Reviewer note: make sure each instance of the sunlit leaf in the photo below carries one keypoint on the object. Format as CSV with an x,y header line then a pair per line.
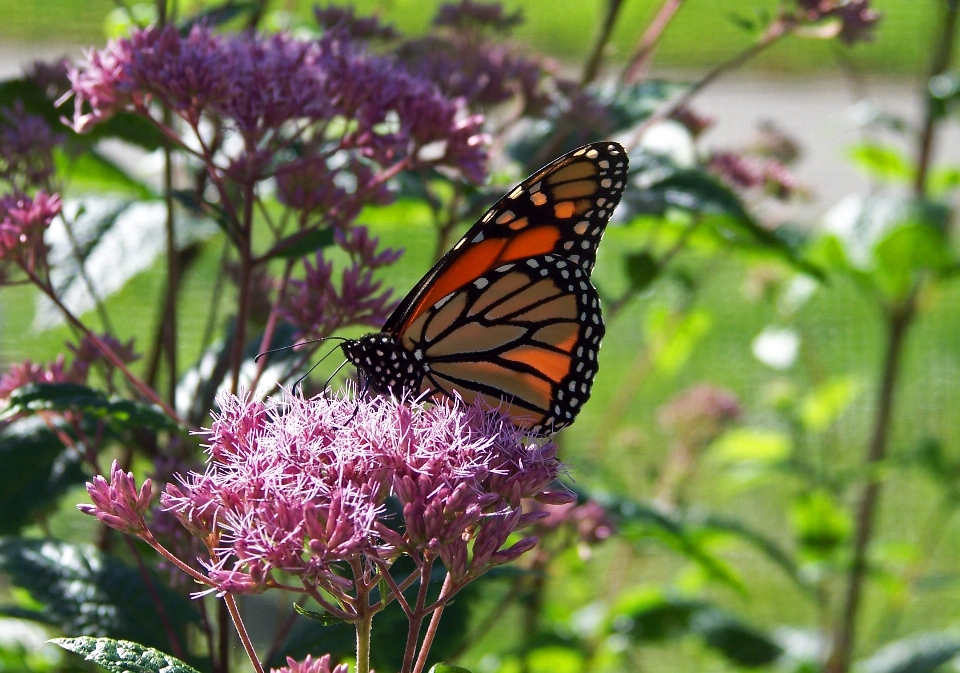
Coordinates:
x,y
741,445
820,524
824,404
884,162
122,656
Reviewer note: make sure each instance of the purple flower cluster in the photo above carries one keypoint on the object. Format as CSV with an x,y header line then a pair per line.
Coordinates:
x,y
300,487
343,19
317,306
699,413
274,90
117,503
23,221
26,150
469,15
745,171
857,18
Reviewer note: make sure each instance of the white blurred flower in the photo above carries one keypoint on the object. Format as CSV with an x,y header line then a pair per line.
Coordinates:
x,y
777,347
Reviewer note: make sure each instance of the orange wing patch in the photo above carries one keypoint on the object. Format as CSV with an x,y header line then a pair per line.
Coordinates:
x,y
552,365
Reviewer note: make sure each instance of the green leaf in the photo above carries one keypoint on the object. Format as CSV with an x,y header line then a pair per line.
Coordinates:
x,y
123,656
888,242
37,470
325,618
820,524
923,653
130,128
827,401
884,162
746,445
945,179
301,244
119,413
741,644
91,171
655,618
642,270
447,668
86,592
218,15
716,208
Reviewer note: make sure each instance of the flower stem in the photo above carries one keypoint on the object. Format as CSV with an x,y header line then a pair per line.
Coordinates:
x,y
231,604
941,64
898,323
364,629
592,66
640,61
432,627
774,32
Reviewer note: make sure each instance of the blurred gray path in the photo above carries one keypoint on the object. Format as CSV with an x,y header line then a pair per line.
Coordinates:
x,y
818,113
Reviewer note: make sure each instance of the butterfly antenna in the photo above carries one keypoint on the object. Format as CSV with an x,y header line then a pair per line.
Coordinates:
x,y
301,343
356,407
335,372
299,381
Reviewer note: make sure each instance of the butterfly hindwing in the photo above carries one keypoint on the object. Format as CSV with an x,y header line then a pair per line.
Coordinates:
x,y
509,314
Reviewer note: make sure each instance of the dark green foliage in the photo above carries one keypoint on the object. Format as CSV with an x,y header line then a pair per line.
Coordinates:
x,y
86,592
119,414
37,470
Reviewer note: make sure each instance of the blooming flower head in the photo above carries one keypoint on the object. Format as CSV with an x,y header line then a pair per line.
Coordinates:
x,y
23,221
311,665
26,149
300,486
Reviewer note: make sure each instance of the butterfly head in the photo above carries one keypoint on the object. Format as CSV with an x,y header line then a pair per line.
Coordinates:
x,y
386,366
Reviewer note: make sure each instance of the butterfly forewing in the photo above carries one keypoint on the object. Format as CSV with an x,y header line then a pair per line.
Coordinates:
x,y
509,314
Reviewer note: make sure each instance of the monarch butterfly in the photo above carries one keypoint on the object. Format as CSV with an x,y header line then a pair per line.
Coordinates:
x,y
509,314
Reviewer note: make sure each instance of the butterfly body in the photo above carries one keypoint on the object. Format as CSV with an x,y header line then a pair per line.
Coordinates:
x,y
509,315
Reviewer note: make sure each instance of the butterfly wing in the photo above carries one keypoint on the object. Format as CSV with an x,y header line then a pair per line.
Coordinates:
x,y
509,315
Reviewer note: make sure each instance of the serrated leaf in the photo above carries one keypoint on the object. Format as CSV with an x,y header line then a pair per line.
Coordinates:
x,y
123,656
325,618
37,470
301,244
119,413
923,653
740,643
86,592
820,523
447,668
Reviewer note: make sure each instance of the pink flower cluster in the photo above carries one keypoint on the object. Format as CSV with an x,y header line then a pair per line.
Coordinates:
x,y
318,306
274,90
745,171
311,665
23,221
300,487
117,503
